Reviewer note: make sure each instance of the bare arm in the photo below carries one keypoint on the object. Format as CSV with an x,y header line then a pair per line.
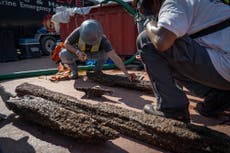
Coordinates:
x,y
161,38
77,52
70,48
117,60
119,63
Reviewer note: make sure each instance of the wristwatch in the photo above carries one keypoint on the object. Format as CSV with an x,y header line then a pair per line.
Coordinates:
x,y
146,22
77,52
151,18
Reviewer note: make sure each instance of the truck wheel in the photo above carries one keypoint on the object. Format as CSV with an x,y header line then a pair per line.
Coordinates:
x,y
47,44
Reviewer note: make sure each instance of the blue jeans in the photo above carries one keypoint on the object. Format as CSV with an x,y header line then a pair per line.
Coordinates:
x,y
186,63
70,59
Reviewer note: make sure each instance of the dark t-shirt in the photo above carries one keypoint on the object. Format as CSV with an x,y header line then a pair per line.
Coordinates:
x,y
74,37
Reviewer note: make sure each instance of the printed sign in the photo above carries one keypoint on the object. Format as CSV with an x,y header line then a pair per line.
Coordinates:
x,y
38,5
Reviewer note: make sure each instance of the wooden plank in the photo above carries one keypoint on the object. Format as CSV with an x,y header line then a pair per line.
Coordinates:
x,y
168,134
54,116
120,81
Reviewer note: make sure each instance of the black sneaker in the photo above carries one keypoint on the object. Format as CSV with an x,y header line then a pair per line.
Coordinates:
x,y
215,104
180,115
210,109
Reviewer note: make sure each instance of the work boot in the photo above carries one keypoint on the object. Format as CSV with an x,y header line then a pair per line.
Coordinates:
x,y
73,75
176,114
74,71
214,103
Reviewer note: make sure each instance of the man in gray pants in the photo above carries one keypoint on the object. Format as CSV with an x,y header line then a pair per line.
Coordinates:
x,y
202,65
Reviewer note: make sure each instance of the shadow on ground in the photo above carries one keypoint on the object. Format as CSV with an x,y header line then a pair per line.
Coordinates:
x,y
8,145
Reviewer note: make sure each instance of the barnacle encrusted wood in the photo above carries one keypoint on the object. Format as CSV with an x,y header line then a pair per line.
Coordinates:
x,y
52,115
172,135
95,91
120,81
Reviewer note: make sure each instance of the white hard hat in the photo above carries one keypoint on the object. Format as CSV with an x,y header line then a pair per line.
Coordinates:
x,y
91,31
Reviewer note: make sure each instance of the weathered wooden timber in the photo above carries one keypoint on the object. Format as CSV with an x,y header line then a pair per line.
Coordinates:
x,y
52,115
168,134
120,81
95,91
